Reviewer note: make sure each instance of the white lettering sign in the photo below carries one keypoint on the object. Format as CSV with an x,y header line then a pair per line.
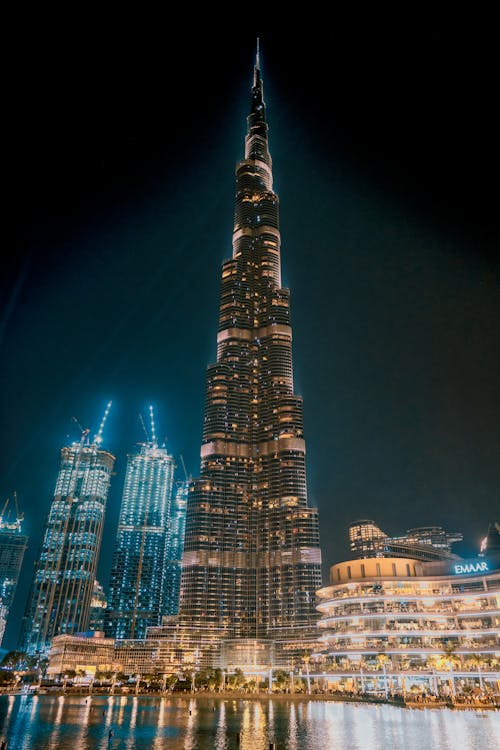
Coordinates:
x,y
479,567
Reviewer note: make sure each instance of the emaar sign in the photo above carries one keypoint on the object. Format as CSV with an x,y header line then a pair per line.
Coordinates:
x,y
473,567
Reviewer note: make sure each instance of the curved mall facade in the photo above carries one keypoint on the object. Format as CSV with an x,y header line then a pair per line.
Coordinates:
x,y
390,623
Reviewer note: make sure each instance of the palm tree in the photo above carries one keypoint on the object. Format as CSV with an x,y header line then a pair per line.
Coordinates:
x,y
383,659
69,674
12,659
451,659
281,678
478,661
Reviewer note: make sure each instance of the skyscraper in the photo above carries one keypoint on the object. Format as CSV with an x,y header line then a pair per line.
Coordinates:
x,y
252,560
13,544
174,547
138,580
63,582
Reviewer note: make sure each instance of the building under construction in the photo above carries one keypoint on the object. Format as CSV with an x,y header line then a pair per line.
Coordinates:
x,y
63,582
139,580
13,544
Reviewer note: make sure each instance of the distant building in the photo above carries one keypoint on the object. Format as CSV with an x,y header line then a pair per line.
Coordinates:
x,y
98,605
174,548
63,583
138,585
13,545
425,543
491,542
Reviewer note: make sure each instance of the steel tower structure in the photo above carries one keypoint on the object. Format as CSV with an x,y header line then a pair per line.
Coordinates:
x,y
252,560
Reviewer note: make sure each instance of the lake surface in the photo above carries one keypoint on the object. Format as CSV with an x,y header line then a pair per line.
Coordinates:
x,y
182,723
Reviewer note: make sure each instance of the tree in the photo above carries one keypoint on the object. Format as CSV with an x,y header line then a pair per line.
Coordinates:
x,y
281,678
171,681
383,659
237,679
12,659
7,677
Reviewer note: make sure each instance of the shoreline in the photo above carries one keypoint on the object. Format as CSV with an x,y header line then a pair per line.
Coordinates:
x,y
234,695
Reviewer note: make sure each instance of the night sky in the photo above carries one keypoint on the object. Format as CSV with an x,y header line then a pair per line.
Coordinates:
x,y
120,153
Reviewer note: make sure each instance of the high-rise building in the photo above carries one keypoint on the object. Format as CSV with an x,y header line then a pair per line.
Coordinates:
x,y
428,543
174,548
63,583
13,544
491,542
98,605
138,580
252,560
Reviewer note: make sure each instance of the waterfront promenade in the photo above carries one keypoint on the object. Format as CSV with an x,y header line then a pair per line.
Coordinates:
x,y
480,701
236,721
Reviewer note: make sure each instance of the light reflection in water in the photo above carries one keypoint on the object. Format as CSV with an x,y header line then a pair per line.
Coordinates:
x,y
108,712
184,723
130,744
293,742
121,710
221,736
190,741
34,708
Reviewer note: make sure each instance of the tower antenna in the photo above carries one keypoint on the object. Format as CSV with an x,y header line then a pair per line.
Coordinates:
x,y
98,437
153,433
257,55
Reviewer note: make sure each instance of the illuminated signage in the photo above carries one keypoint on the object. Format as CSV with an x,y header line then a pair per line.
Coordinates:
x,y
477,567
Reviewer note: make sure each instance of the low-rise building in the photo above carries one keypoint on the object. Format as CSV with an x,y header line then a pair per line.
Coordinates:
x,y
83,653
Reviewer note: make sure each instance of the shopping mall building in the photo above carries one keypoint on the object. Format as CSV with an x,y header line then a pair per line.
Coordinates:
x,y
394,624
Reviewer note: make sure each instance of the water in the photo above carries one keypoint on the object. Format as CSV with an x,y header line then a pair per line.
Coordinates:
x,y
180,723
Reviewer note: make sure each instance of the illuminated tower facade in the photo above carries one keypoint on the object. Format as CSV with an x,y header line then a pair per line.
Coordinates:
x,y
138,580
13,545
252,559
174,548
61,592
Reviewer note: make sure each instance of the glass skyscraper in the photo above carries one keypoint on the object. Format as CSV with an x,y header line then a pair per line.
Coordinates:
x,y
138,583
13,544
174,548
252,560
61,592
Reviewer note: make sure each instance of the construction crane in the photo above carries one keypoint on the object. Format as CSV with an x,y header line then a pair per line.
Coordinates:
x,y
98,437
141,419
5,514
153,433
188,478
84,431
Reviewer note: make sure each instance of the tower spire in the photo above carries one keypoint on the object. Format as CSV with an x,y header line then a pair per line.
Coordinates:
x,y
257,55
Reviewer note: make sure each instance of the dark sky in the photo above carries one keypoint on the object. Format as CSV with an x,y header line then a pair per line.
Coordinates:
x,y
120,154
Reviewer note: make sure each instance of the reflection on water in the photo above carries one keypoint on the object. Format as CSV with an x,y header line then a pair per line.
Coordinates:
x,y
208,723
